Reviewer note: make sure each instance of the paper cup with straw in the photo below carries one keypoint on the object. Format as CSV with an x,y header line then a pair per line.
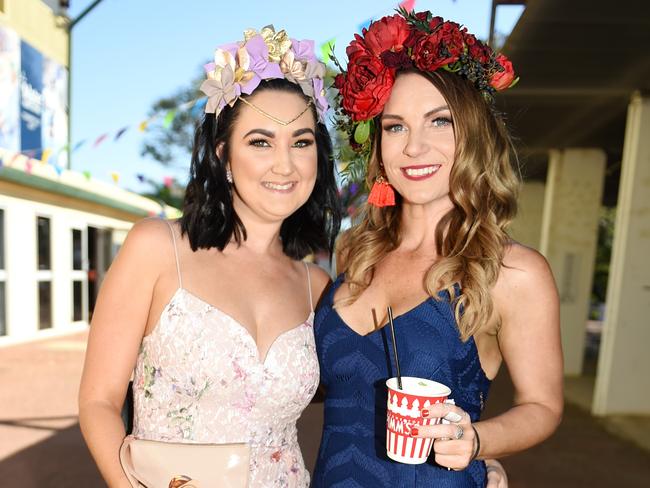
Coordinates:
x,y
407,396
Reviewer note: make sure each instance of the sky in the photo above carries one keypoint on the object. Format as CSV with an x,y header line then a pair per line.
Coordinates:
x,y
126,54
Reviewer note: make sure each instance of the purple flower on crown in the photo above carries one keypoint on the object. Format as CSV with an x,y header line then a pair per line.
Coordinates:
x,y
259,64
239,68
303,50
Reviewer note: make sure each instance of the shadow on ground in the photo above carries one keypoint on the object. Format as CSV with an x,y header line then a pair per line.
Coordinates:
x,y
581,453
60,461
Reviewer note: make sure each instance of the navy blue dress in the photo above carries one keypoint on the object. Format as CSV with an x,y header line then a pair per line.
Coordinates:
x,y
354,370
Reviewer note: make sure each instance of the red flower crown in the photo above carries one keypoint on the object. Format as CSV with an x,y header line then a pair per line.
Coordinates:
x,y
401,41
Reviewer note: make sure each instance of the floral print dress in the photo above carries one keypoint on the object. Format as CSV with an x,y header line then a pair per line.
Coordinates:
x,y
199,379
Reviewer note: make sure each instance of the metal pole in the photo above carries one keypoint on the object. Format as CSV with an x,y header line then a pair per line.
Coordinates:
x,y
492,19
70,25
86,11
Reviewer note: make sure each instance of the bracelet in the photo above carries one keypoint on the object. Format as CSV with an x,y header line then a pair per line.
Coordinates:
x,y
478,443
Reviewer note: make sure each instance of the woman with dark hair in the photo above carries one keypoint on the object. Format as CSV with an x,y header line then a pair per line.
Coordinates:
x,y
432,243
213,314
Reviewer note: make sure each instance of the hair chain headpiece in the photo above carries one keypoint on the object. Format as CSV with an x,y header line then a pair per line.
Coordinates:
x,y
238,69
275,119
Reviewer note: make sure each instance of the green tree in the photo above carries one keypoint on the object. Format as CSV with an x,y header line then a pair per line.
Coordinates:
x,y
603,254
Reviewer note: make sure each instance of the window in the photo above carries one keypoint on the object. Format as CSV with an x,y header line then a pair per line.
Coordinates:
x,y
79,275
3,322
2,240
44,304
77,301
44,273
3,277
77,250
44,245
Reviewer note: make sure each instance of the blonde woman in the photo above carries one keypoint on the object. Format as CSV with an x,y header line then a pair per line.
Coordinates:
x,y
432,243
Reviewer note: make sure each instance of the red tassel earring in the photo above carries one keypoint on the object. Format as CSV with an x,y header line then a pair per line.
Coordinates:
x,y
381,193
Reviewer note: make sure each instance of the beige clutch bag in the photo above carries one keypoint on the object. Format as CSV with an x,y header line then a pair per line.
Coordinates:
x,y
154,464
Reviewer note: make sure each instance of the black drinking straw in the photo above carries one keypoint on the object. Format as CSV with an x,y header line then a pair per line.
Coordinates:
x,y
392,331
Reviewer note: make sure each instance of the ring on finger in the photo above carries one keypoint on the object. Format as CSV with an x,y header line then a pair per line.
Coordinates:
x,y
459,432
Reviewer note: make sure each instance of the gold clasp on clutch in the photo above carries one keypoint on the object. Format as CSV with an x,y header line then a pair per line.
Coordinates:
x,y
179,481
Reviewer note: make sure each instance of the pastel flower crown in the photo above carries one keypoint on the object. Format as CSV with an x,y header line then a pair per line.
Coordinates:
x,y
238,68
401,41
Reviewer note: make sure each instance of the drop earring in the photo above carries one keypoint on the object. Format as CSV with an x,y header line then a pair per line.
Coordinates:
x,y
229,176
381,193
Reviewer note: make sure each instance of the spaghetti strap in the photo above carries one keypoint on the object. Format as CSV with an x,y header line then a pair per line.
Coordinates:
x,y
178,264
311,300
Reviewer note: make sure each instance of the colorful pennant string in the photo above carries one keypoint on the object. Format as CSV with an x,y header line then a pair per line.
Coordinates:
x,y
195,108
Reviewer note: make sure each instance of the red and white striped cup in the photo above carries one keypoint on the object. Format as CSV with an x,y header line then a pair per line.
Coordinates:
x,y
404,408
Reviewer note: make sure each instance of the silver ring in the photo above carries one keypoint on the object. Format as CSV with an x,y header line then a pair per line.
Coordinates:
x,y
459,432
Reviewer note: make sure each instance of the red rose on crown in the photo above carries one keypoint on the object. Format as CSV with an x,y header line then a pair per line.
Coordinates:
x,y
476,48
442,47
366,86
355,48
435,22
387,34
503,79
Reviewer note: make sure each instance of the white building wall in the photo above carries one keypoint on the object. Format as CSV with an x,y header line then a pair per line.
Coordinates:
x,y
21,265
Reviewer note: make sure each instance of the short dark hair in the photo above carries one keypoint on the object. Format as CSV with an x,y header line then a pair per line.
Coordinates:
x,y
209,218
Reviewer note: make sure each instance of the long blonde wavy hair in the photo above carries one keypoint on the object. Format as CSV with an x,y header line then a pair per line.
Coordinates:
x,y
471,238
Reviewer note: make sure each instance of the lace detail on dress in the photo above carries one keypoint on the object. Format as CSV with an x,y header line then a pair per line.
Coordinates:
x,y
198,378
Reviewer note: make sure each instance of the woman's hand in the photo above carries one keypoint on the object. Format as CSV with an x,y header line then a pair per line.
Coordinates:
x,y
455,444
496,474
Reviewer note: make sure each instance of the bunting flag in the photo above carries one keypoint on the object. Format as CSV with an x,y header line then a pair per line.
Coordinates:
x,y
143,125
99,140
326,49
2,161
169,118
120,132
87,174
115,176
141,177
197,107
45,155
59,169
63,149
168,181
28,166
78,145
408,5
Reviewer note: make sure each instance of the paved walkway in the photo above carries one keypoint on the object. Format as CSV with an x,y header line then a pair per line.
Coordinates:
x,y
41,445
